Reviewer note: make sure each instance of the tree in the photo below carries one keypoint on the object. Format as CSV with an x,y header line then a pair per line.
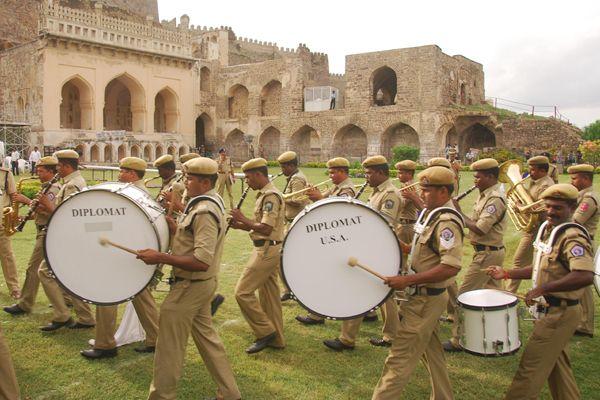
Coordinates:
x,y
592,131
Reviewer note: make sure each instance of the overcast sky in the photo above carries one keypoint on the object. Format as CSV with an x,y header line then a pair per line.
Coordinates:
x,y
534,52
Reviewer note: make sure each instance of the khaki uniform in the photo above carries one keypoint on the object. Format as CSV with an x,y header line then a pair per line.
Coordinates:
x,y
9,388
7,257
409,212
145,308
186,309
489,213
173,185
32,280
440,243
72,183
225,169
451,308
524,254
546,357
261,270
385,200
587,215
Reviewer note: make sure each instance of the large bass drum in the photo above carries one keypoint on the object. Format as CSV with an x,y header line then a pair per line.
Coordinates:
x,y
121,212
314,259
597,272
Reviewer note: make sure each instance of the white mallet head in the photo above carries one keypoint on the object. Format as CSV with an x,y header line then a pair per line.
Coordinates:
x,y
352,261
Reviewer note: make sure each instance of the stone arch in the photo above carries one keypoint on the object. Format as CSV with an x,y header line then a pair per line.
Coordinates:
x,y
238,101
81,149
351,141
171,150
159,151
269,143
108,153
384,85
124,104
77,104
270,99
476,136
122,151
166,111
236,146
205,79
135,151
204,132
399,134
306,141
183,149
148,156
451,137
95,153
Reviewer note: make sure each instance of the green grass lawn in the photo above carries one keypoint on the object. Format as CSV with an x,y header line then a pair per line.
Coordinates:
x,y
49,365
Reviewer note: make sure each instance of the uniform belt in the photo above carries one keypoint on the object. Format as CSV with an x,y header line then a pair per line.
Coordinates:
x,y
407,221
261,243
175,279
557,302
481,247
427,291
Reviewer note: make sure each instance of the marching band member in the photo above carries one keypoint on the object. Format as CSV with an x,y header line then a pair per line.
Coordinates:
x,y
195,257
132,171
582,177
73,182
436,260
9,388
562,275
46,169
343,187
226,175
385,200
456,166
261,271
412,204
170,180
7,257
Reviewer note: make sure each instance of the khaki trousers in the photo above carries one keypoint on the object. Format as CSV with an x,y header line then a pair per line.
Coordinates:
x,y
32,280
55,295
7,259
451,307
546,358
405,234
523,258
417,339
587,307
224,182
106,321
186,310
475,278
260,274
391,324
9,388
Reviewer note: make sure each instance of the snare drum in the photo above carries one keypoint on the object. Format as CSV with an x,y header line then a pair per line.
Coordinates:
x,y
314,259
121,212
489,322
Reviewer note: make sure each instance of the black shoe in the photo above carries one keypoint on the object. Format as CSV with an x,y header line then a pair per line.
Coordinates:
x,y
52,326
286,296
216,303
577,333
261,343
95,354
145,349
309,321
450,347
337,345
380,342
79,325
15,310
370,318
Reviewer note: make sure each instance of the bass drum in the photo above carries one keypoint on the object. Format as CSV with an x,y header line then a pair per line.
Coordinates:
x,y
314,259
124,214
597,272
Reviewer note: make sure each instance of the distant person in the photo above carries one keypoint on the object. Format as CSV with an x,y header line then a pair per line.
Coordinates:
x,y
333,97
14,162
34,157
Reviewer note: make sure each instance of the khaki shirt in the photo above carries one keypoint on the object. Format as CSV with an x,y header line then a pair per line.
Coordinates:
x,y
72,183
7,186
571,251
385,200
489,214
344,189
587,210
200,233
172,184
224,166
536,188
41,218
296,181
269,210
440,243
140,184
408,209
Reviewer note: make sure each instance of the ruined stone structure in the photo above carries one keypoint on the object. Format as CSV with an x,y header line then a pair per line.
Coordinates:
x,y
110,80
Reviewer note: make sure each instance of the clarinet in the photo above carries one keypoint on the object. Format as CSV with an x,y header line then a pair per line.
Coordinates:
x,y
361,190
465,193
35,203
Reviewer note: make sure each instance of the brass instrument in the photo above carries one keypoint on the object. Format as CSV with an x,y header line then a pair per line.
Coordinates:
x,y
299,195
412,185
147,182
534,208
465,193
10,214
519,204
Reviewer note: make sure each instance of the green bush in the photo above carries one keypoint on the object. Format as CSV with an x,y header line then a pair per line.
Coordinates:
x,y
501,155
405,153
30,189
315,164
272,163
597,171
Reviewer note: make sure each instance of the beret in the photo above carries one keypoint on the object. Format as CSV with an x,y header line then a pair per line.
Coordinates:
x,y
254,163
338,162
436,176
483,164
439,161
201,166
538,160
134,163
374,160
287,157
162,160
72,154
563,191
580,168
408,165
47,161
187,157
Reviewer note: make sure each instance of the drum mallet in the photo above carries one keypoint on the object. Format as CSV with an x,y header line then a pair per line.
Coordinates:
x,y
353,262
105,242
517,295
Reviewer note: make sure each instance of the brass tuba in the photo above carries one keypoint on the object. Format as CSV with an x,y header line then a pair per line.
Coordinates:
x,y
522,210
10,214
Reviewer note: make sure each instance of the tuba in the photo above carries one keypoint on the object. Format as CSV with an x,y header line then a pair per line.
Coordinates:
x,y
522,210
10,214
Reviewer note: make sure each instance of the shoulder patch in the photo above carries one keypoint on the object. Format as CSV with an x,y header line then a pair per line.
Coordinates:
x,y
446,238
51,196
268,206
491,209
577,251
584,207
389,204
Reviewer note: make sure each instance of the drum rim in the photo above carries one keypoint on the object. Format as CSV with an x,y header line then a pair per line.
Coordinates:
x,y
340,200
66,288
510,353
487,308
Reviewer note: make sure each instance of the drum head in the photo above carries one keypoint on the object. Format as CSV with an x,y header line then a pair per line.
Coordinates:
x,y
88,270
487,299
315,255
597,272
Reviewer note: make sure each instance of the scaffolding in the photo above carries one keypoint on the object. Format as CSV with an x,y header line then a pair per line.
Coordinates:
x,y
15,136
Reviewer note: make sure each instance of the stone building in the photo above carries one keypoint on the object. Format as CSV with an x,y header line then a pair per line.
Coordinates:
x,y
109,80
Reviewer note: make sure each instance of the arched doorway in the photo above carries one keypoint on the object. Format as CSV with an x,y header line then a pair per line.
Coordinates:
x,y
171,150
108,150
166,111
269,143
306,141
76,106
94,154
124,105
270,99
236,146
135,151
476,136
205,79
451,137
122,151
399,134
351,141
384,85
148,152
159,151
204,127
238,102
183,150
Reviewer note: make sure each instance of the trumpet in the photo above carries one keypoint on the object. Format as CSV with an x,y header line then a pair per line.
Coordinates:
x,y
300,193
412,185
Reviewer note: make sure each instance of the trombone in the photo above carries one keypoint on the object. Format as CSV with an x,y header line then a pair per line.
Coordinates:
x,y
299,195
